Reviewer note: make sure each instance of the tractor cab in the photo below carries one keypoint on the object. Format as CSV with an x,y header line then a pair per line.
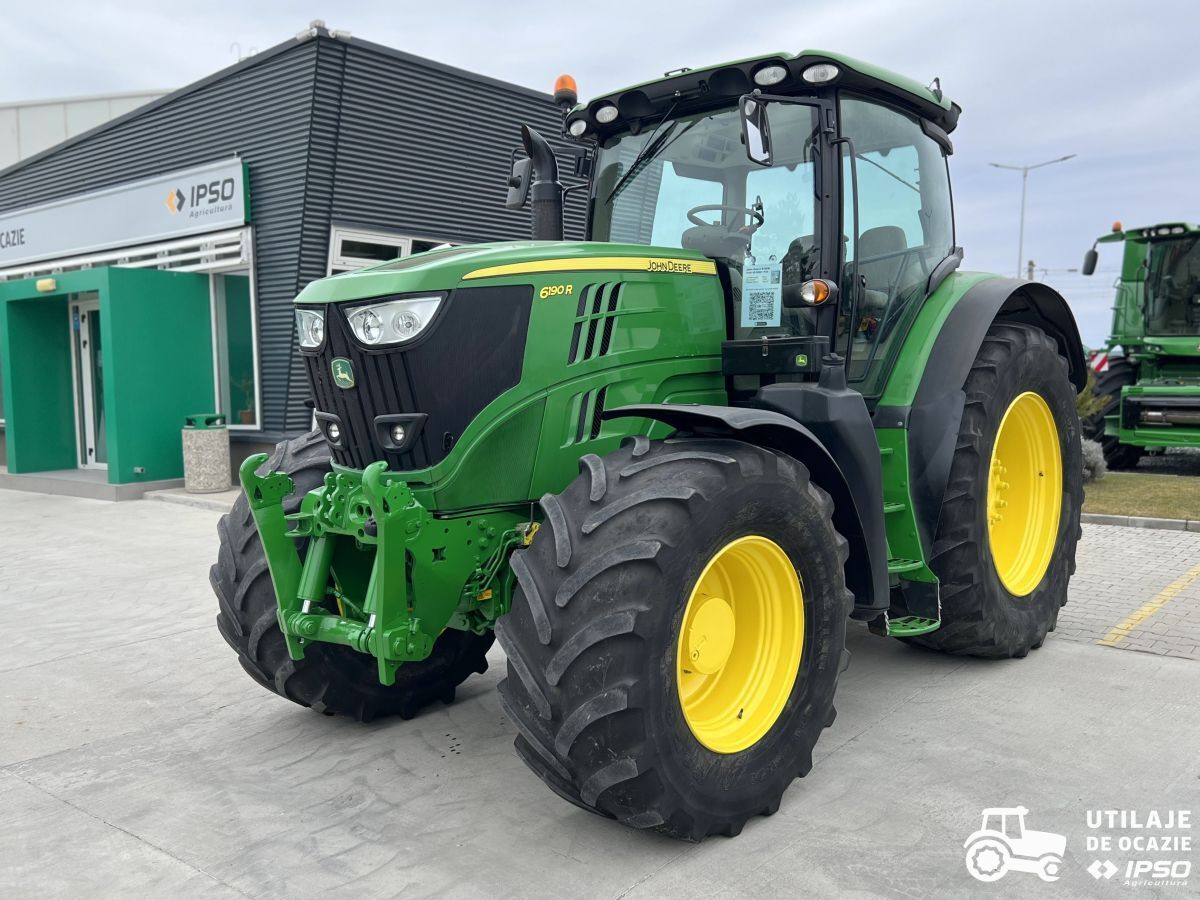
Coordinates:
x,y
826,209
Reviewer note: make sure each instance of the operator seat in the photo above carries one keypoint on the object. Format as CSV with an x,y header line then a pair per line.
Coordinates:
x,y
881,275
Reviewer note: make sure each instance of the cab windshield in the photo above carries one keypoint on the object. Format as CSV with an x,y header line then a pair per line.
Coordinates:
x,y
1173,288
694,188
688,183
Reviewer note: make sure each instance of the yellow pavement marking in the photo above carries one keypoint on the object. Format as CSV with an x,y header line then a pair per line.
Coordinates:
x,y
1122,630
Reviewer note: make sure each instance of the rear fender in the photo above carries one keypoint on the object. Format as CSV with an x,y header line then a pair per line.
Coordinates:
x,y
932,419
866,569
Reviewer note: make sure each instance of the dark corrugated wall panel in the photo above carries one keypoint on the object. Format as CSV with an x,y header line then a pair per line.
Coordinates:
x,y
424,153
313,243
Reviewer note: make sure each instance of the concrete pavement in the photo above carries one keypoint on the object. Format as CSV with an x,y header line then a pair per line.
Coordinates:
x,y
136,759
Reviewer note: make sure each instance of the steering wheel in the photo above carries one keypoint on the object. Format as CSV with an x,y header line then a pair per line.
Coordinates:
x,y
756,217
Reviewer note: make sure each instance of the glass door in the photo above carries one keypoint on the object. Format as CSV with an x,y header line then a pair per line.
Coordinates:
x,y
87,352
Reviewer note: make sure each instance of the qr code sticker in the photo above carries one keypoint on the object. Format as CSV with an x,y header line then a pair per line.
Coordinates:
x,y
762,307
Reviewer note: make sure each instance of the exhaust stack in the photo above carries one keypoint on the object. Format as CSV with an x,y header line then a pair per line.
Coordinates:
x,y
546,193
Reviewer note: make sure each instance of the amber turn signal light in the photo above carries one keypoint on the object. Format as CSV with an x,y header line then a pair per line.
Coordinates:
x,y
815,291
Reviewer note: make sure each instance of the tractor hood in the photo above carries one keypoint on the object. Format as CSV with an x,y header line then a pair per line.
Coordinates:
x,y
452,267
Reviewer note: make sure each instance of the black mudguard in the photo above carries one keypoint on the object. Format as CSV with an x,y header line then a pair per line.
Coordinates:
x,y
934,418
861,524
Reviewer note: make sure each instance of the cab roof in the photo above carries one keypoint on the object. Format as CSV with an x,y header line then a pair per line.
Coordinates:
x,y
1161,230
718,86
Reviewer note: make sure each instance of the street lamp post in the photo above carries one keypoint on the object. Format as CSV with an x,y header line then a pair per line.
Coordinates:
x,y
1024,170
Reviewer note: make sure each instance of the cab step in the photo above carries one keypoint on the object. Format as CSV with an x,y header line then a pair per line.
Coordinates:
x,y
910,626
902,626
894,507
898,566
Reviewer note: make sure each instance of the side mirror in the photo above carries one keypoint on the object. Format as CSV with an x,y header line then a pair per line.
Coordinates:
x,y
1089,261
756,130
518,182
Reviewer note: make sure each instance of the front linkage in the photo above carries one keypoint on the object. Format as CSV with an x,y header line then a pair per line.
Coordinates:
x,y
381,573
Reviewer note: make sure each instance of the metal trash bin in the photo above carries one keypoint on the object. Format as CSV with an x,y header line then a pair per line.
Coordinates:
x,y
206,454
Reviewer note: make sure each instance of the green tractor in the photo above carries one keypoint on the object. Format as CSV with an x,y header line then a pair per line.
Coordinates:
x,y
1148,373
666,465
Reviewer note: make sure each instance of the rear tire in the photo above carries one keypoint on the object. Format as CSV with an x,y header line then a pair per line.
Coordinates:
x,y
331,678
1109,383
980,616
594,633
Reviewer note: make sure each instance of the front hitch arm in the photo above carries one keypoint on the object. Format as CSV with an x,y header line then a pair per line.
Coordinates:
x,y
265,494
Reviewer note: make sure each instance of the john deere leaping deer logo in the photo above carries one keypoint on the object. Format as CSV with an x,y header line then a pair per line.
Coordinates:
x,y
343,372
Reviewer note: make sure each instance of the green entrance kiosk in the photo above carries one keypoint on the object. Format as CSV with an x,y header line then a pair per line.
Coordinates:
x,y
100,368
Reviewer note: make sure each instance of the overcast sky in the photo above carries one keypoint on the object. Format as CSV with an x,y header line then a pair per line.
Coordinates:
x,y
1116,83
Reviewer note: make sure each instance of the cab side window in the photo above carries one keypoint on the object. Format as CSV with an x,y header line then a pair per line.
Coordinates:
x,y
905,227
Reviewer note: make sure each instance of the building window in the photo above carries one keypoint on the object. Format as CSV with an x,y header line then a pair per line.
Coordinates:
x,y
351,248
236,349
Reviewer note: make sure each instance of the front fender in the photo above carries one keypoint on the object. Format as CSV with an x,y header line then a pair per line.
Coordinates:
x,y
866,569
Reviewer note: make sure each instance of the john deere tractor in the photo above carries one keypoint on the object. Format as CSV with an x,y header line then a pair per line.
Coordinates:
x,y
1148,373
667,464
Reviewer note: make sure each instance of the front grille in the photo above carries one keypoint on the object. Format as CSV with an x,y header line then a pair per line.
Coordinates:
x,y
470,355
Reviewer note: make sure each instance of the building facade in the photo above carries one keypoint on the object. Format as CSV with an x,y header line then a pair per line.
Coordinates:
x,y
147,267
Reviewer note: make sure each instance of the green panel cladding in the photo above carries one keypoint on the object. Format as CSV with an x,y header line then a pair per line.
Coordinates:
x,y
158,331
35,353
158,367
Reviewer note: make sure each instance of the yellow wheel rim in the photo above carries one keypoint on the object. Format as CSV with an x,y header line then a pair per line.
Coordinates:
x,y
1024,495
740,644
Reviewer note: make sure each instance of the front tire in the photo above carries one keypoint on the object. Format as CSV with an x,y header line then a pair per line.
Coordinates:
x,y
1108,384
1009,525
630,663
331,678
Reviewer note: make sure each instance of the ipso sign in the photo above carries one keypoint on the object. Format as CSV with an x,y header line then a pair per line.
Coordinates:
x,y
204,198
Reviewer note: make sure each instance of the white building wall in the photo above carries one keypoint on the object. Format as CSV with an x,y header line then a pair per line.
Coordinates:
x,y
30,127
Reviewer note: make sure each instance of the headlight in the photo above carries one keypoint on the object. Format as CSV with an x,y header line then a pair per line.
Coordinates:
x,y
310,327
394,322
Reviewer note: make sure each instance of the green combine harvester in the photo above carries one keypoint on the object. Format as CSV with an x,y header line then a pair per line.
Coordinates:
x,y
666,465
1148,372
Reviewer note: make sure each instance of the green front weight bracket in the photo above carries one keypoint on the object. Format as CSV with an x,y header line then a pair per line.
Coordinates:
x,y
399,520
425,574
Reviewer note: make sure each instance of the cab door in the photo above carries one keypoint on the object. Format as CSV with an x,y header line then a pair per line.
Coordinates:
x,y
903,230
